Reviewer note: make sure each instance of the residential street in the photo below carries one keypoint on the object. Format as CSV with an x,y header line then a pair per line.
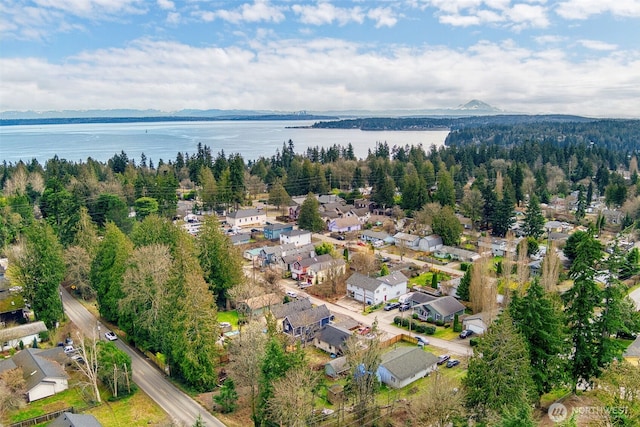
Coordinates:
x,y
177,404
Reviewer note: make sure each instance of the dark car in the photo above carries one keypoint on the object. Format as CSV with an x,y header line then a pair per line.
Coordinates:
x,y
337,236
466,333
390,306
442,359
453,362
404,306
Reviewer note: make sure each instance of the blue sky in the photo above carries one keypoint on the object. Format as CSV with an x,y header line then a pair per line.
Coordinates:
x,y
535,56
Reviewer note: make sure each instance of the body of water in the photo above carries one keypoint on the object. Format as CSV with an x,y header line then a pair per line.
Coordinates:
x,y
163,140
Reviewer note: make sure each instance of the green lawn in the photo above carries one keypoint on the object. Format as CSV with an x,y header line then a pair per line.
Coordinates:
x,y
71,397
425,278
445,333
229,316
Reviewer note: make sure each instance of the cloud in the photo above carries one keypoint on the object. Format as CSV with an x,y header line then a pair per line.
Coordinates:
x,y
517,16
166,5
324,74
258,11
583,9
95,9
325,13
383,16
597,45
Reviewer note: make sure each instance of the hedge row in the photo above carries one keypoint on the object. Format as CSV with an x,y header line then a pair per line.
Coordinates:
x,y
417,326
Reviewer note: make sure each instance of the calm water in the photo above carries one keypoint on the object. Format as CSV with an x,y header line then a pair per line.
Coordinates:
x,y
163,140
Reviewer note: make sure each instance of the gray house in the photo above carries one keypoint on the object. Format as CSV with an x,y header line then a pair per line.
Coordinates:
x,y
67,419
404,365
305,324
443,308
331,339
336,367
430,243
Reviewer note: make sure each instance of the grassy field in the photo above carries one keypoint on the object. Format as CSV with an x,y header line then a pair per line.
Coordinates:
x,y
133,411
425,278
71,397
229,316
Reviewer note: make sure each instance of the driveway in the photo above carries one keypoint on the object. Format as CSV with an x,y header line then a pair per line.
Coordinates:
x,y
178,405
635,297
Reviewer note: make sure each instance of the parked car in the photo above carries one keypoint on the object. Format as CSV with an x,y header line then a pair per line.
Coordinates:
x,y
442,359
466,333
110,336
404,306
453,362
303,285
391,305
68,349
422,341
292,294
337,236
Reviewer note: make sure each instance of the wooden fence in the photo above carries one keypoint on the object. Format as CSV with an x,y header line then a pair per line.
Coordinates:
x,y
42,418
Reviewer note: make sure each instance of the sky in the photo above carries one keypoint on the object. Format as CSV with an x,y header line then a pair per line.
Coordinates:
x,y
530,56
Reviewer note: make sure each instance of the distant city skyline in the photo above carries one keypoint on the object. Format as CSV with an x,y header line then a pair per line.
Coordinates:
x,y
532,56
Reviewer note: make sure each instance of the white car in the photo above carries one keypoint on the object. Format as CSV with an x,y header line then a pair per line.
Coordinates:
x,y
292,294
110,336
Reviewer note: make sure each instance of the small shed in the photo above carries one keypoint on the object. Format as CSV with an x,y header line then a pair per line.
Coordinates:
x,y
335,394
336,367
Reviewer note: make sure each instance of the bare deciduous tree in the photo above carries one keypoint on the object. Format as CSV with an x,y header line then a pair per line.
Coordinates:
x,y
12,391
364,263
88,350
440,404
550,270
364,358
78,262
522,266
293,396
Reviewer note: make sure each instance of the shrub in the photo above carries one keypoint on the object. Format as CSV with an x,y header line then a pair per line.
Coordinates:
x,y
464,266
473,342
414,316
420,328
429,330
44,336
397,320
439,323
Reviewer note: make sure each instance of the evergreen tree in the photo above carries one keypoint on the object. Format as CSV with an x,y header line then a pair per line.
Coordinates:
x,y
533,218
581,208
447,225
503,217
278,195
228,397
384,193
434,280
463,287
446,192
309,218
541,322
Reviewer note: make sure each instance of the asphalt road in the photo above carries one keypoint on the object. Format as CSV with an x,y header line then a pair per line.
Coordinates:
x,y
182,409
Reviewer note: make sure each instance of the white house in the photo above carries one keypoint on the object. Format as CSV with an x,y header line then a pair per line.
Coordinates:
x,y
297,237
321,271
406,240
246,217
43,375
11,337
475,323
345,224
376,290
404,365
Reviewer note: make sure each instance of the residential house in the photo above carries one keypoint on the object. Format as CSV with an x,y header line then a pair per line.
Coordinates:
x,y
467,224
280,311
376,290
11,337
456,254
343,225
444,309
319,272
364,203
499,247
332,339
430,243
299,267
377,238
363,214
274,255
535,267
12,306
336,367
612,216
292,255
252,255
329,198
43,375
297,237
418,298
68,419
240,239
305,324
632,353
406,240
273,231
404,365
246,218
256,306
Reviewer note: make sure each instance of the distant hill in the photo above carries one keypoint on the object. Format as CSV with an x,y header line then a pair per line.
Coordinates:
x,y
478,106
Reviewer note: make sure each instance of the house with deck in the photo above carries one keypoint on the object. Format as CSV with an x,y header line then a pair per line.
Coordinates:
x,y
332,339
305,324
404,365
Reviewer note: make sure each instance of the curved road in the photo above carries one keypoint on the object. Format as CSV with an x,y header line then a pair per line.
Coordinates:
x,y
177,404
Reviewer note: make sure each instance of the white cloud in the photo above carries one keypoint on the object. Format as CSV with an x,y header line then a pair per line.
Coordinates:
x,y
583,9
517,16
325,13
259,11
166,5
383,16
95,9
597,45
323,74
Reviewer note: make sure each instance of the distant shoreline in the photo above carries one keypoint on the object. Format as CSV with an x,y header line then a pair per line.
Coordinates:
x,y
157,119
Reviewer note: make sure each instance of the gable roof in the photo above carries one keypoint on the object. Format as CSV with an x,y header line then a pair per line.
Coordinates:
x,y
280,311
245,213
334,335
277,226
394,278
35,368
293,233
446,306
261,301
634,349
21,331
361,281
406,237
67,419
309,317
325,265
405,362
346,221
315,260
421,298
380,235
339,364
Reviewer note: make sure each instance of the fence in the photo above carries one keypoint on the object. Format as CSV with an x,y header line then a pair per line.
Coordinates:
x,y
42,418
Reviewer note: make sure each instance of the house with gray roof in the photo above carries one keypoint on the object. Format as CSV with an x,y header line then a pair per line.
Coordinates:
x,y
336,367
331,339
11,337
67,419
404,365
300,266
306,323
418,298
297,237
443,308
246,217
632,353
456,254
273,231
376,290
344,224
406,240
430,243
376,237
43,375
